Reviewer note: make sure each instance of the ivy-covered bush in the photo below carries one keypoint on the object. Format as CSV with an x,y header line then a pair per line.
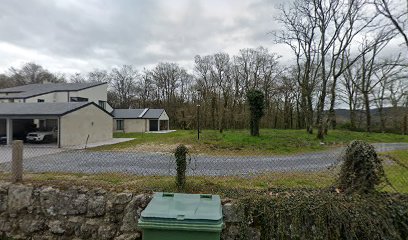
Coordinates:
x,y
361,170
256,101
181,166
325,215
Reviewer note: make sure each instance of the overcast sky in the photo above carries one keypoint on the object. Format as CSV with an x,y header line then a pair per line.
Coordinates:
x,y
81,35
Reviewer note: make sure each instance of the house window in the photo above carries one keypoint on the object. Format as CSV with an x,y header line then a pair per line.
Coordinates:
x,y
78,99
120,125
40,100
102,104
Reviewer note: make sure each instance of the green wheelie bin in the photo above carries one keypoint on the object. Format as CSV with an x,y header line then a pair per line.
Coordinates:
x,y
176,216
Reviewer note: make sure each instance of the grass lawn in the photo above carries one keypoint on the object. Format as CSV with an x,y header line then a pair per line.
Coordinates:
x,y
239,142
225,186
397,172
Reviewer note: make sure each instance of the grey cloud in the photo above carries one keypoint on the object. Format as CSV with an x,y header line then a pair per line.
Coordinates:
x,y
111,32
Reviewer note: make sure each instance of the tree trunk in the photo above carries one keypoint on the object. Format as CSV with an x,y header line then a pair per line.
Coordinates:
x,y
368,113
382,119
309,117
352,119
332,113
213,107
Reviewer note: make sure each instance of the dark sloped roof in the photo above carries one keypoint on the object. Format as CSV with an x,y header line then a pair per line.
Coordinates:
x,y
40,109
142,113
127,113
32,90
153,113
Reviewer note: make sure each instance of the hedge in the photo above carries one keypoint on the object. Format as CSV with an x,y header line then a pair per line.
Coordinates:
x,y
314,214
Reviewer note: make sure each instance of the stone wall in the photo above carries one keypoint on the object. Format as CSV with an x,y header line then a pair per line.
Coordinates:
x,y
28,212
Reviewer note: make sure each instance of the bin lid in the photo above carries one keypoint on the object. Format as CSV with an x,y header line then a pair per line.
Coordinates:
x,y
183,208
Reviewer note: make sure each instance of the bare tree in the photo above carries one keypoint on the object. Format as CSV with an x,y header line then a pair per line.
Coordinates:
x,y
77,78
98,76
350,93
220,72
351,21
206,87
387,73
5,81
368,67
398,95
299,33
145,88
123,83
395,13
33,73
338,23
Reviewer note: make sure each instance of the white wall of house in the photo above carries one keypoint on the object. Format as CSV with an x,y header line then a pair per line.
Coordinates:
x,y
76,126
49,97
164,116
135,125
11,100
132,125
147,125
93,94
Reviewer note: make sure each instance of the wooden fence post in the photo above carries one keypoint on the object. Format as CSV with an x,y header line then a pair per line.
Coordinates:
x,y
17,161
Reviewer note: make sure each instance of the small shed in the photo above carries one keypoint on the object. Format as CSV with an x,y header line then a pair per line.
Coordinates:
x,y
74,124
140,120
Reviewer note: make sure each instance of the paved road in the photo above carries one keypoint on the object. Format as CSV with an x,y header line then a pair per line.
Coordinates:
x,y
82,161
30,151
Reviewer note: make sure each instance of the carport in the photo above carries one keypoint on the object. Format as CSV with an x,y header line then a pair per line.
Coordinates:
x,y
17,126
74,123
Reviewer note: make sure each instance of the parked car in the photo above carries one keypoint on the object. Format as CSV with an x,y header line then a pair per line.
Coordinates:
x,y
41,136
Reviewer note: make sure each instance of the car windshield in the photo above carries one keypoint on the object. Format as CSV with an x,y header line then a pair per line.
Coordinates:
x,y
32,134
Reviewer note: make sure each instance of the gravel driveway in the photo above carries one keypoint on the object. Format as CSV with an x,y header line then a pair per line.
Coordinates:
x,y
83,161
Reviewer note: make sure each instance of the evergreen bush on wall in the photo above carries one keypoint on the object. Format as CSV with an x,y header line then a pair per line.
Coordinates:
x,y
256,101
362,169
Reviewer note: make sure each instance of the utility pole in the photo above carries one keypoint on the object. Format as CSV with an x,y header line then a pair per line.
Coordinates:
x,y
198,121
198,114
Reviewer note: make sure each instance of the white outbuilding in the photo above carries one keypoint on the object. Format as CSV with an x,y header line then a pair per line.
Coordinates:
x,y
140,120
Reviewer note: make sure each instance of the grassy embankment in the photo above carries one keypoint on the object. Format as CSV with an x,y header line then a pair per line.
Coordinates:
x,y
239,142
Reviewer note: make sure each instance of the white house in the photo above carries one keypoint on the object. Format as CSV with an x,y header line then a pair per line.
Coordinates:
x,y
58,92
77,112
140,120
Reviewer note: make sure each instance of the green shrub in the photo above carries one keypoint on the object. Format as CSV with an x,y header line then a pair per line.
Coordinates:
x,y
256,101
361,170
307,214
181,166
